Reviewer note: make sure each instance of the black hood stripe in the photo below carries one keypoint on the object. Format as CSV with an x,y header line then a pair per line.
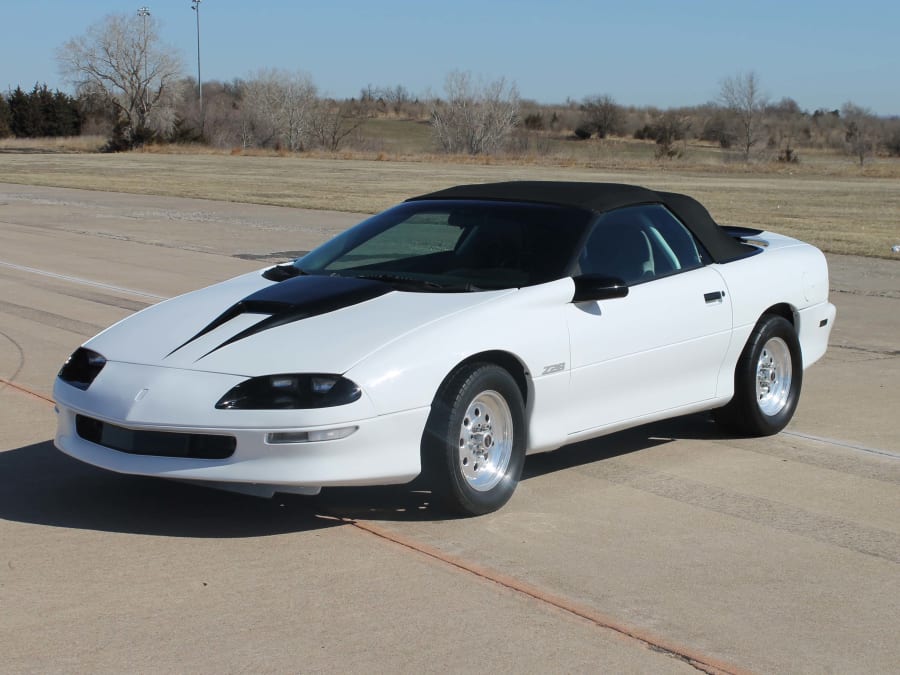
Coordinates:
x,y
292,300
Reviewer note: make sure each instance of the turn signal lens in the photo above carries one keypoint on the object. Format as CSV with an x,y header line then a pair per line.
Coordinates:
x,y
281,437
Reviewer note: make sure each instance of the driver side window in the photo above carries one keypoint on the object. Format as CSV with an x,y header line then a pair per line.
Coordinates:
x,y
639,243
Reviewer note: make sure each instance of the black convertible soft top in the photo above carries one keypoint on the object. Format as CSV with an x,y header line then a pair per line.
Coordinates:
x,y
603,197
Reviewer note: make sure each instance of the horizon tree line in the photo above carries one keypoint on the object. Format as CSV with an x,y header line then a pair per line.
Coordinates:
x,y
131,87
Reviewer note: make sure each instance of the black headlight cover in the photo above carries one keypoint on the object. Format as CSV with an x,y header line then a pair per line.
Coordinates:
x,y
82,368
290,391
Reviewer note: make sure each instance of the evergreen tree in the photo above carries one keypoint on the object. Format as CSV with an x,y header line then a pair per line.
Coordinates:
x,y
4,117
42,100
68,114
24,119
43,113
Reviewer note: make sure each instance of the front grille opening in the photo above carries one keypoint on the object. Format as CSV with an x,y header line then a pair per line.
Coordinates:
x,y
155,443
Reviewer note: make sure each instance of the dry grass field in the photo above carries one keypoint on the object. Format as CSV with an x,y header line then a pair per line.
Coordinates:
x,y
62,144
841,211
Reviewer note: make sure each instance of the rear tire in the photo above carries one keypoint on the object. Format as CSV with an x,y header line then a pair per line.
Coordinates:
x,y
767,380
474,444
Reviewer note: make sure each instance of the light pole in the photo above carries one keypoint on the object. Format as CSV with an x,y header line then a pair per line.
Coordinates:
x,y
195,5
144,12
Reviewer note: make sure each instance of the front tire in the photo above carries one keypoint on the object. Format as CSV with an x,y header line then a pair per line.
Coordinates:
x,y
767,380
474,444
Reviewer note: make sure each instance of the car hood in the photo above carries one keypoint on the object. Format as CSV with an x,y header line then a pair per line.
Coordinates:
x,y
251,326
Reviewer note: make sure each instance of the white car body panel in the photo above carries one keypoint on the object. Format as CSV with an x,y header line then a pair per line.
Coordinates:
x,y
528,324
787,272
663,346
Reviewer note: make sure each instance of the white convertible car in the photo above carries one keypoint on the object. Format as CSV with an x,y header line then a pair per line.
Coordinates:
x,y
450,336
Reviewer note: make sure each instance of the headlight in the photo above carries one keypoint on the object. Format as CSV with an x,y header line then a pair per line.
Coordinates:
x,y
82,368
287,392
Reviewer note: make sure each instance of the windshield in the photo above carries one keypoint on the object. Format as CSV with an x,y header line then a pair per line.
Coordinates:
x,y
456,245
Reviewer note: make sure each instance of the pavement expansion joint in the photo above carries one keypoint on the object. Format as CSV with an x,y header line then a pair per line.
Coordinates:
x,y
25,390
695,659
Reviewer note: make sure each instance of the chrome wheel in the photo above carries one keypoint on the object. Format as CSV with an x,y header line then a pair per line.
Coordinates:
x,y
485,441
774,373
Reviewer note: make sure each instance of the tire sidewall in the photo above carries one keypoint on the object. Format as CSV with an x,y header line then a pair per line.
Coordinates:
x,y
752,418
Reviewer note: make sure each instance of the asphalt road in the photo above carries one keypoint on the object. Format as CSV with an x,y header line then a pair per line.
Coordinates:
x,y
667,548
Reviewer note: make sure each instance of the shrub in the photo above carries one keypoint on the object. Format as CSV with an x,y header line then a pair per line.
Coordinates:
x,y
534,122
788,156
582,133
602,115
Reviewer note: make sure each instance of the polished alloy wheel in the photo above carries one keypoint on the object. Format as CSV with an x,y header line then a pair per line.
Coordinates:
x,y
485,440
774,373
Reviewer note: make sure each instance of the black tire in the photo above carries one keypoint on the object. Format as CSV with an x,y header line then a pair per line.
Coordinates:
x,y
460,434
767,380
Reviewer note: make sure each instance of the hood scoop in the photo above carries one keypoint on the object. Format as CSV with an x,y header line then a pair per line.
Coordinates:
x,y
292,300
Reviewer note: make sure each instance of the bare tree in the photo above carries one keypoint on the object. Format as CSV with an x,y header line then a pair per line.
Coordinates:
x,y
670,131
786,123
260,109
860,131
221,114
891,136
474,118
333,121
395,99
743,97
602,115
126,61
277,109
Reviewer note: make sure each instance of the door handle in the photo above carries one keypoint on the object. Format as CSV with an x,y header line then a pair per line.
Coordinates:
x,y
715,296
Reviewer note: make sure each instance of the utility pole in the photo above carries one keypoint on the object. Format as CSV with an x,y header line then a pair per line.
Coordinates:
x,y
195,5
144,12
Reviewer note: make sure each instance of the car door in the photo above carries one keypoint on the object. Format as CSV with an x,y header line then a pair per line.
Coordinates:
x,y
659,348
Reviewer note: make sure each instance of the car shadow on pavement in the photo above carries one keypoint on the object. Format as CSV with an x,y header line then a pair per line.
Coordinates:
x,y
413,502
39,484
696,427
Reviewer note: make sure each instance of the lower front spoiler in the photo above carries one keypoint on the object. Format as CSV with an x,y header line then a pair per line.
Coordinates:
x,y
255,489
384,450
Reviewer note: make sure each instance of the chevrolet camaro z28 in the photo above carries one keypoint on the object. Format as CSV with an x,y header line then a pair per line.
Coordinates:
x,y
449,337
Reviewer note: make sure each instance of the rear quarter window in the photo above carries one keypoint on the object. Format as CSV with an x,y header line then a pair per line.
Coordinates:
x,y
640,243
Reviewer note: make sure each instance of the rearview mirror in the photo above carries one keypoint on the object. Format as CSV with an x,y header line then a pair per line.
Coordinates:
x,y
595,287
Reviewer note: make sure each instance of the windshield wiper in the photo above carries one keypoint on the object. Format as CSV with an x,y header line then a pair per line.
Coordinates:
x,y
423,284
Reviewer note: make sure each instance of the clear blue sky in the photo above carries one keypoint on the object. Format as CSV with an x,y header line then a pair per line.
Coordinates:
x,y
642,52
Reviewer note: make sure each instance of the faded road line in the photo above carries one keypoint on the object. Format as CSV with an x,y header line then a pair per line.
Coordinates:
x,y
843,444
769,513
79,280
50,319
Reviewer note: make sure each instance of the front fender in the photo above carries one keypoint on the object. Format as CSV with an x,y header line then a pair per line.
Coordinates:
x,y
527,324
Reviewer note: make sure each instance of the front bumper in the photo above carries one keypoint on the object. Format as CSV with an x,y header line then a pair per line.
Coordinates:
x,y
383,450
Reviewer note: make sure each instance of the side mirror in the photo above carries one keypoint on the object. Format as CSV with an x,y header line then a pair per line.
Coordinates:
x,y
595,287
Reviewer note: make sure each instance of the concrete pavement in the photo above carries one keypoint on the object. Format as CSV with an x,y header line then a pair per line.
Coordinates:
x,y
767,555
